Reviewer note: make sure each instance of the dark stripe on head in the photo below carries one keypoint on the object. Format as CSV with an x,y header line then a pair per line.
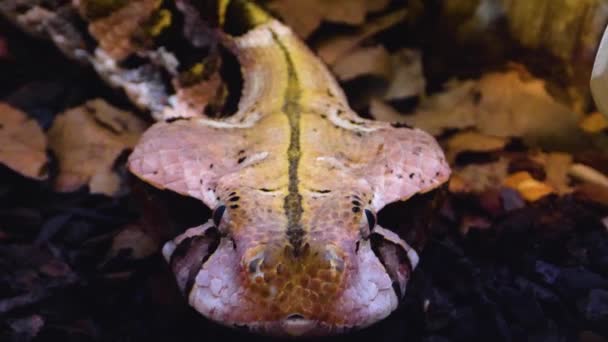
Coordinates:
x,y
292,204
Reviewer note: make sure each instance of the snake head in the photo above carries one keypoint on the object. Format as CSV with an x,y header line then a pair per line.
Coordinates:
x,y
295,179
242,268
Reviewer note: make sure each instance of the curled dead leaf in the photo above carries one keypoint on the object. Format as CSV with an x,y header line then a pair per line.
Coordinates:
x,y
87,141
22,143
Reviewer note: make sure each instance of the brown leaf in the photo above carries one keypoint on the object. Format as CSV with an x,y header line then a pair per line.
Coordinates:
x,y
472,142
589,175
87,140
376,5
133,239
336,47
381,111
407,77
556,165
503,105
402,72
305,16
22,143
115,32
594,123
191,100
478,178
450,109
528,187
349,12
301,16
364,61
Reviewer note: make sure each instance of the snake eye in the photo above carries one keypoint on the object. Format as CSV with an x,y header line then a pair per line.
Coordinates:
x,y
217,215
371,219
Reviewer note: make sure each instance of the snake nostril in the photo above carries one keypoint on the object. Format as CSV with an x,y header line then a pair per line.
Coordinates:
x,y
255,265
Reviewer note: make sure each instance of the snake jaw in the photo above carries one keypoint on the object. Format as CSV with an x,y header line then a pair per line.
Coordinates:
x,y
220,291
216,281
397,257
326,289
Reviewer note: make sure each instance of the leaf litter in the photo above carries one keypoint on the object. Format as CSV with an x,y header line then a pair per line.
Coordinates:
x,y
87,141
522,224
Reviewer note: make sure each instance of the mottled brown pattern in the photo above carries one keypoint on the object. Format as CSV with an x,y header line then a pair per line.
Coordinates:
x,y
115,32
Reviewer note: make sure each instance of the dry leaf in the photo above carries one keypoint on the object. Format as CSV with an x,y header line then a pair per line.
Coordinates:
x,y
472,142
364,61
528,187
407,78
115,32
301,16
452,108
589,175
87,140
478,178
191,100
384,112
503,105
305,16
457,184
376,5
22,143
594,123
334,48
133,239
556,165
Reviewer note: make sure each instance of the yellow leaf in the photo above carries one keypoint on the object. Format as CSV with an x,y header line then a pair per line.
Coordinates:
x,y
594,123
529,188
